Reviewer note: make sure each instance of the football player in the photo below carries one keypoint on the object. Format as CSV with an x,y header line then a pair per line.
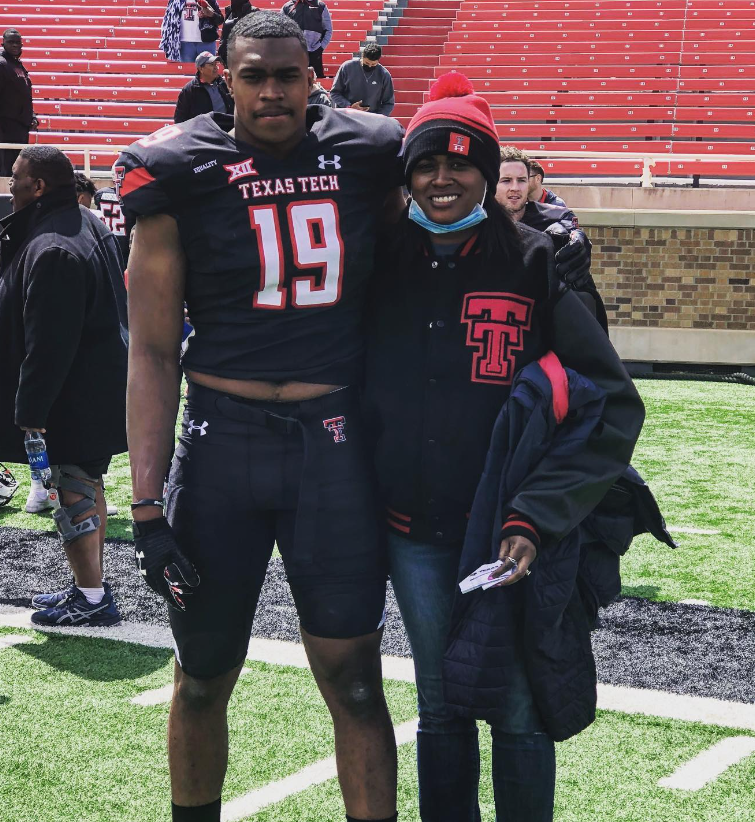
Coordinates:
x,y
108,208
264,222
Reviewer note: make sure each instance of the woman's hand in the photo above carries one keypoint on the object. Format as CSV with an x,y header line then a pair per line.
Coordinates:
x,y
522,551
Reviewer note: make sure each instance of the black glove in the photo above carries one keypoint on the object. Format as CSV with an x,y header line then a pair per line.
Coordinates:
x,y
162,563
573,261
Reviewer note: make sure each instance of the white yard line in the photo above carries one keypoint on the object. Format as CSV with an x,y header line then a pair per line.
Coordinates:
x,y
610,697
159,696
9,640
694,602
709,765
683,529
700,709
254,801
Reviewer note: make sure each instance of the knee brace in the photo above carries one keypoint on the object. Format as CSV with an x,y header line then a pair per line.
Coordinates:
x,y
71,480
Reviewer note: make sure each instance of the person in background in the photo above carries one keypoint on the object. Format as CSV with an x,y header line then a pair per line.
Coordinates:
x,y
319,96
537,193
85,189
313,18
16,106
465,299
572,245
233,13
107,206
63,369
189,27
363,84
205,93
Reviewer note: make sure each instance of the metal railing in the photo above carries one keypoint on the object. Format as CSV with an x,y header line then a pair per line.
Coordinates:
x,y
648,160
67,148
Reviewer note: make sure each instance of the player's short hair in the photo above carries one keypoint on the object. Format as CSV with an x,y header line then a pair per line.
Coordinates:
x,y
10,33
512,154
83,184
265,25
49,164
536,168
372,51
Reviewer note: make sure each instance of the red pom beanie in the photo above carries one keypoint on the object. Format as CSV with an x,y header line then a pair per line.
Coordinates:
x,y
454,121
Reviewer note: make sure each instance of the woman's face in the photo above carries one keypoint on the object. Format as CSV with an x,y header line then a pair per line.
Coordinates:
x,y
447,187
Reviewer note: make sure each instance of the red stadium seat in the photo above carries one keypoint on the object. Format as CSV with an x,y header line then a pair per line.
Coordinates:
x,y
647,76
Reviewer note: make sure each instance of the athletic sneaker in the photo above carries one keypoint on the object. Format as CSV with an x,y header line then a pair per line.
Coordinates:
x,y
112,510
76,612
40,499
42,601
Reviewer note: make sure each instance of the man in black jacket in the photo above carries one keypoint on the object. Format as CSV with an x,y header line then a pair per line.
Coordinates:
x,y
16,110
573,247
63,369
205,93
233,13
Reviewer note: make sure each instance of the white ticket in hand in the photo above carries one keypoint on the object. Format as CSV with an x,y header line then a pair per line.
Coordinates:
x,y
481,577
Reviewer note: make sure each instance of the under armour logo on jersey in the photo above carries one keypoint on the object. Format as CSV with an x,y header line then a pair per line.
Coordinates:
x,y
236,171
335,162
201,428
336,426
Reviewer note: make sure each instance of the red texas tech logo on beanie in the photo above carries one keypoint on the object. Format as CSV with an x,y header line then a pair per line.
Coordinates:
x,y
458,143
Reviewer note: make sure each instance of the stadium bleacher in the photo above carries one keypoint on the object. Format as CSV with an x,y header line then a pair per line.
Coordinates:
x,y
651,76
665,77
100,79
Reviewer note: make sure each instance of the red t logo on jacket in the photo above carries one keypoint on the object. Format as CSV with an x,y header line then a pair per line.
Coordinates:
x,y
496,321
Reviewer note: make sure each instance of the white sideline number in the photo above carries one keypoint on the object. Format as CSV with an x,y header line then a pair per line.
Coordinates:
x,y
324,253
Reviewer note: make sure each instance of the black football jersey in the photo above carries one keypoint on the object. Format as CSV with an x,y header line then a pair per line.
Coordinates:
x,y
279,251
109,209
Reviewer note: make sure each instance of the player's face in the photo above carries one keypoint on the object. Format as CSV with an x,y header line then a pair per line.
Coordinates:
x,y
270,81
447,187
513,187
24,188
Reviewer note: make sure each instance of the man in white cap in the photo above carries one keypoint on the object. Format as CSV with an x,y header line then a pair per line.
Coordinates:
x,y
206,93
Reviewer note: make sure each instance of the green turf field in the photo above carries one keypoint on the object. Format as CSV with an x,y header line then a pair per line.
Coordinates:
x,y
73,746
697,452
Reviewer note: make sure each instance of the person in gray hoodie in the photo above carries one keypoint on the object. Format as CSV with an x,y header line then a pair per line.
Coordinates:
x,y
364,84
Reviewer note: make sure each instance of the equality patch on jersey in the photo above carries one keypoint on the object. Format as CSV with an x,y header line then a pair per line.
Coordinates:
x,y
496,323
458,143
237,171
337,427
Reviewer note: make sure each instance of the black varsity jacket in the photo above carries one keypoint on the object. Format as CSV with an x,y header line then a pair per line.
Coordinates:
x,y
446,337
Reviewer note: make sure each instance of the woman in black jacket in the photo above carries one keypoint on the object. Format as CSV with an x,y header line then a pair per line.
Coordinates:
x,y
463,300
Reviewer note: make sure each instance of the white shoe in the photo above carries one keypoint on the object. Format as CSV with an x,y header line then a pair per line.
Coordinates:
x,y
40,499
111,509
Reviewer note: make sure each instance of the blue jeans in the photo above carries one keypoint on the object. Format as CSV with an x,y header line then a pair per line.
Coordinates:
x,y
448,755
190,51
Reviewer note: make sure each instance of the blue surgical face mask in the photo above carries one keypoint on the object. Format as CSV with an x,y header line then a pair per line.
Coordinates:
x,y
475,217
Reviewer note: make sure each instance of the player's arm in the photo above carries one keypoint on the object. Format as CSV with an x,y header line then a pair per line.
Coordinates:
x,y
157,271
